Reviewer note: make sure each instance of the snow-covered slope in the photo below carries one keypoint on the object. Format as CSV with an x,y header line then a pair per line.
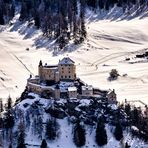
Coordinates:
x,y
65,139
108,44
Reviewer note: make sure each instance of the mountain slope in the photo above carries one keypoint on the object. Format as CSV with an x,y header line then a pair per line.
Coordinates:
x,y
107,46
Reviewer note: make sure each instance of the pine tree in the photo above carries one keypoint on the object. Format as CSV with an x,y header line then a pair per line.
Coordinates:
x,y
8,119
118,133
82,22
128,109
12,10
21,136
136,116
101,135
9,103
2,22
126,145
75,21
52,128
1,106
37,21
62,42
10,146
101,4
79,135
24,11
43,144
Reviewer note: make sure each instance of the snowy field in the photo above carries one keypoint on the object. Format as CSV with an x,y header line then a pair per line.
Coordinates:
x,y
107,46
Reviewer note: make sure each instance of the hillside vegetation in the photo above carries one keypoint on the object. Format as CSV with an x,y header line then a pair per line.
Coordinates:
x,y
64,20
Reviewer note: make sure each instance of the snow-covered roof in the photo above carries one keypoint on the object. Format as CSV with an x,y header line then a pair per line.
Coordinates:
x,y
72,88
111,91
51,66
66,61
88,87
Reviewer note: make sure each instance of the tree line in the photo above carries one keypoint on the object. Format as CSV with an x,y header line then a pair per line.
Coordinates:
x,y
107,4
62,20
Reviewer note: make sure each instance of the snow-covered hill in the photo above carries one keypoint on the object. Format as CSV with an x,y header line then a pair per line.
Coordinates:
x,y
29,111
109,42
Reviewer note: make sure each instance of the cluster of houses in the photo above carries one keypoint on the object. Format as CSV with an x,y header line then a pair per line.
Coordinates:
x,y
60,81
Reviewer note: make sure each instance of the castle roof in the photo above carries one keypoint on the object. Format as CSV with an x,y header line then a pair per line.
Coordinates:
x,y
66,61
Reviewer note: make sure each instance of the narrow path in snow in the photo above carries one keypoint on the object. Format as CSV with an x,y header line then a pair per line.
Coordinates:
x,y
23,64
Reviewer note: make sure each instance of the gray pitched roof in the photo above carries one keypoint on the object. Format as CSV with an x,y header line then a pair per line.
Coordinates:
x,y
66,61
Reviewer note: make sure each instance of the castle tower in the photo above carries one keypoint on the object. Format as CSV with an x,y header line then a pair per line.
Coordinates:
x,y
67,69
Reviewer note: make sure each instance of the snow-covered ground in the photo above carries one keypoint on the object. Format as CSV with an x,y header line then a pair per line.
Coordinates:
x,y
108,44
65,139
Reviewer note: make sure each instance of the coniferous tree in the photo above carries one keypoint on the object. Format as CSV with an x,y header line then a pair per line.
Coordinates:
x,y
37,21
8,119
12,10
24,11
101,135
1,106
52,128
118,133
9,103
82,21
135,116
43,144
101,4
2,22
128,109
10,146
79,135
126,145
21,137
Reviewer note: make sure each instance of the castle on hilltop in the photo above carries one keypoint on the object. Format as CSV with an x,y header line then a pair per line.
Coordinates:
x,y
60,81
65,70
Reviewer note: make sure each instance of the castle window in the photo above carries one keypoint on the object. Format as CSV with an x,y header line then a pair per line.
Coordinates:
x,y
65,77
69,71
69,76
62,77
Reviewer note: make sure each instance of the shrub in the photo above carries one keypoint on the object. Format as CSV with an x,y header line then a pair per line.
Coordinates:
x,y
113,75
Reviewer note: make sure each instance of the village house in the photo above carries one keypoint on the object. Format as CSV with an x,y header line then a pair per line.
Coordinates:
x,y
111,96
87,90
72,92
